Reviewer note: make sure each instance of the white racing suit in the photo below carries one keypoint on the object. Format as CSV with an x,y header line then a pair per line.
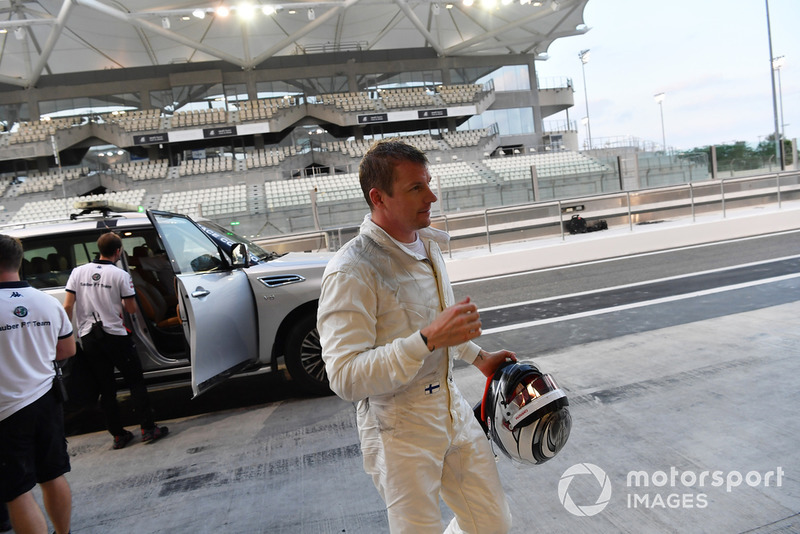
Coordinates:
x,y
419,437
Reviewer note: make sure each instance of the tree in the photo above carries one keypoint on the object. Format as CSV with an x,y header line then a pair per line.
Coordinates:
x,y
739,156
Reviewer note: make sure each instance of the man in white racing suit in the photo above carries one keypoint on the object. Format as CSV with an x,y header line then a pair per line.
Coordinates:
x,y
390,330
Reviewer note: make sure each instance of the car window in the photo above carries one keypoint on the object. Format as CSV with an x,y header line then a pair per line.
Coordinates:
x,y
191,250
49,259
226,239
85,251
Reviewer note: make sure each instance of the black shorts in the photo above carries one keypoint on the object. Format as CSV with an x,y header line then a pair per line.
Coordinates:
x,y
32,447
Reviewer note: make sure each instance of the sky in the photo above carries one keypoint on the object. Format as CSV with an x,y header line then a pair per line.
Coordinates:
x,y
710,58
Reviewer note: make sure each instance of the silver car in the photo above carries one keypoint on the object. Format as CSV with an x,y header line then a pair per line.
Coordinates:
x,y
210,302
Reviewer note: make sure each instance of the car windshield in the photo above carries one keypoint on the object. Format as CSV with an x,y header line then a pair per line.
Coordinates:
x,y
226,239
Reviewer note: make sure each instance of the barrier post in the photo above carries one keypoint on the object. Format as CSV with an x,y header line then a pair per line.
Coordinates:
x,y
488,234
630,215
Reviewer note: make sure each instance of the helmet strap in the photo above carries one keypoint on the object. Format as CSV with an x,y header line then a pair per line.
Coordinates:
x,y
485,393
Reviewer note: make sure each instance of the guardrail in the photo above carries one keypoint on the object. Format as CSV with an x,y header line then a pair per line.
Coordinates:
x,y
546,219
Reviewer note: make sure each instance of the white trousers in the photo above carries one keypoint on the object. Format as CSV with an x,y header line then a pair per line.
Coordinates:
x,y
417,451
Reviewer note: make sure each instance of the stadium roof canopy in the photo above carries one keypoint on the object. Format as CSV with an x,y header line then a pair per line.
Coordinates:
x,y
43,37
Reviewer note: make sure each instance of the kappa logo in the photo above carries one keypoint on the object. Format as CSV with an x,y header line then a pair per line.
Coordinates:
x,y
16,294
21,311
96,277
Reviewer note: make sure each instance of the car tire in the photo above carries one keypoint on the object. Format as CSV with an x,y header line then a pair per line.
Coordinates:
x,y
303,356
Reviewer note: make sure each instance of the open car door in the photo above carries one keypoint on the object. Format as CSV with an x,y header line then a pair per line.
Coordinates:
x,y
217,307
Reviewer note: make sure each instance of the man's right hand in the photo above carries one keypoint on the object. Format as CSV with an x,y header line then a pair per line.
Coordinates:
x,y
455,325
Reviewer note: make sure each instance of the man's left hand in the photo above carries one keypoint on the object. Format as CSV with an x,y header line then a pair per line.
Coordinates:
x,y
489,362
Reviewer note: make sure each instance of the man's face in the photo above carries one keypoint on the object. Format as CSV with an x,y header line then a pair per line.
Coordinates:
x,y
409,207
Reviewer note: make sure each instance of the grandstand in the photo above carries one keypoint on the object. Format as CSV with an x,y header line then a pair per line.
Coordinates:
x,y
216,131
60,208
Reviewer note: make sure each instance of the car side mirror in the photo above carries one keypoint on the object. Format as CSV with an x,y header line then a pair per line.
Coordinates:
x,y
240,256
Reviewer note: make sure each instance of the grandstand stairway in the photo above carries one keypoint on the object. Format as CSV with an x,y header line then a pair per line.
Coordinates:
x,y
485,172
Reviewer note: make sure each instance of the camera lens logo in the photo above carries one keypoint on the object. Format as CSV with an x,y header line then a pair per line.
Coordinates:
x,y
602,499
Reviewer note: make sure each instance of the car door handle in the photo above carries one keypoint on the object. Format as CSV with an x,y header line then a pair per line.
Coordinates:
x,y
200,292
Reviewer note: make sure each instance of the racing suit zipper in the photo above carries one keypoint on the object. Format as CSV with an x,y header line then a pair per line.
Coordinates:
x,y
442,305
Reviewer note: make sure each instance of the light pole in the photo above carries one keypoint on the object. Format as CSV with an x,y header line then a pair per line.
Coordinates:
x,y
778,147
585,122
584,57
777,64
660,99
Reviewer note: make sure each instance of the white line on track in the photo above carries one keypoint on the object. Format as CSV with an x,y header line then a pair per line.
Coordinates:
x,y
626,257
634,305
639,284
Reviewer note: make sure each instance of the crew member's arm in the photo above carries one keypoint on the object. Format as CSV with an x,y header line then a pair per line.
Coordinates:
x,y
129,304
65,348
69,303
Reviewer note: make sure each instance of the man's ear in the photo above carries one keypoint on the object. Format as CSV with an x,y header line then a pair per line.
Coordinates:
x,y
376,196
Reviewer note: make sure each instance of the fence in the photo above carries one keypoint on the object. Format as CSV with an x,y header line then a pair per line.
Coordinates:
x,y
504,224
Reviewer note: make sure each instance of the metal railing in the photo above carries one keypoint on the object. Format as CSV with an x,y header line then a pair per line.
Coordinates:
x,y
520,222
547,219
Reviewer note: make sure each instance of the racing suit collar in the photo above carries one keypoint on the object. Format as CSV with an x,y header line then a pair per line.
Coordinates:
x,y
379,235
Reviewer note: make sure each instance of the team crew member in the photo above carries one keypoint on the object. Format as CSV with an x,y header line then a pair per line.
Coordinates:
x,y
390,330
34,332
97,292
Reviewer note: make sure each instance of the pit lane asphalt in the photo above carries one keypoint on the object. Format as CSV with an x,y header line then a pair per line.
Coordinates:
x,y
698,387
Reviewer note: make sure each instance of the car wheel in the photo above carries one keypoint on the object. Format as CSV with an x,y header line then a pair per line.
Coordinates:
x,y
304,357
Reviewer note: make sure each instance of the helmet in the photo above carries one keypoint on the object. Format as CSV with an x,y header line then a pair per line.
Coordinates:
x,y
525,413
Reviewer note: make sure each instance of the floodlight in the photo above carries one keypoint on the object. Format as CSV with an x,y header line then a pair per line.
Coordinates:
x,y
165,23
199,13
246,11
268,10
659,98
223,11
19,33
311,14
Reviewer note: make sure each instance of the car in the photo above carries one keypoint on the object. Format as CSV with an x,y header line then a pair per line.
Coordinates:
x,y
211,304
